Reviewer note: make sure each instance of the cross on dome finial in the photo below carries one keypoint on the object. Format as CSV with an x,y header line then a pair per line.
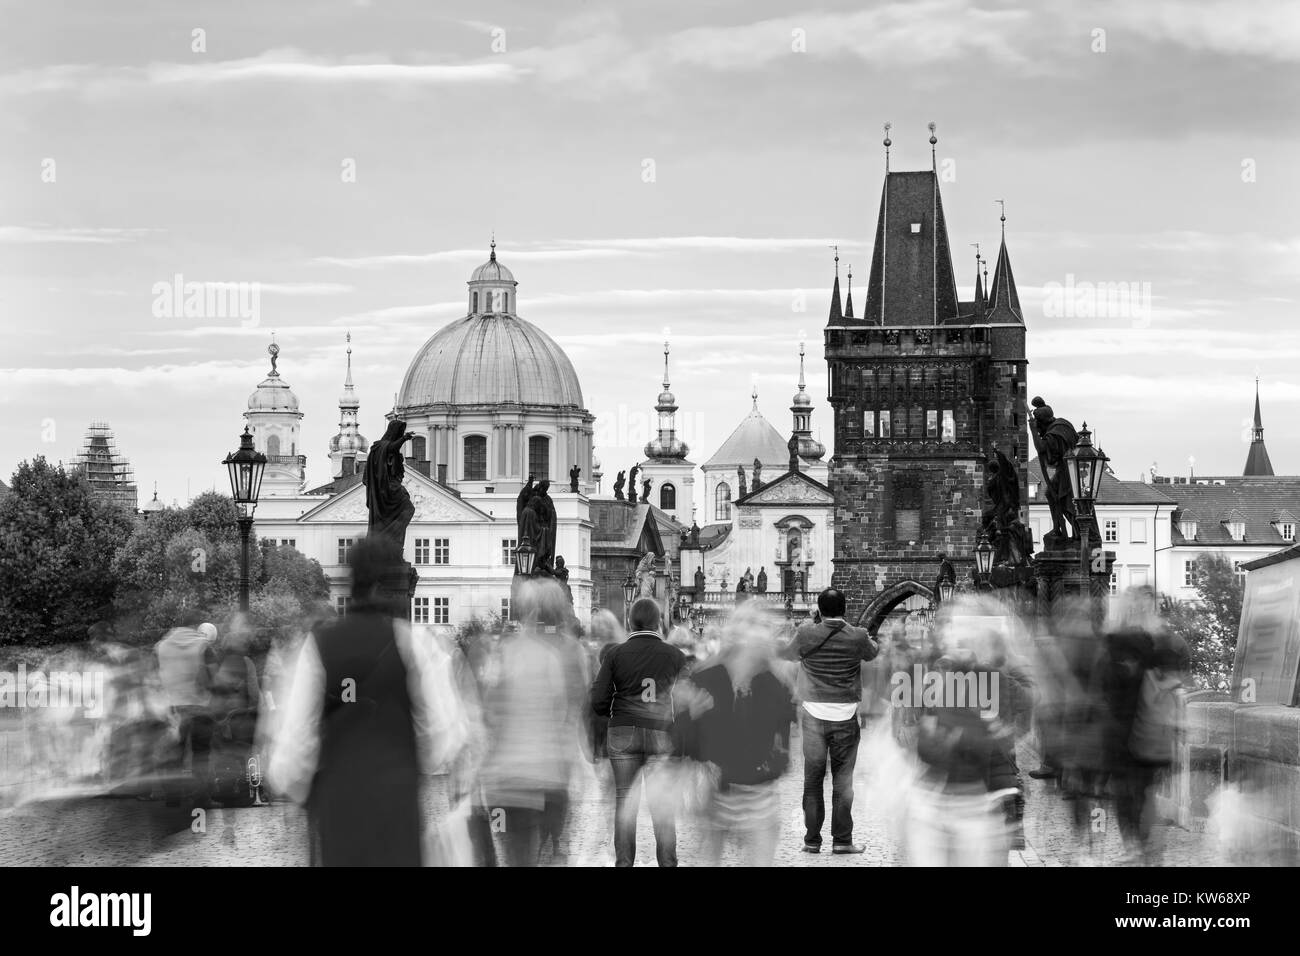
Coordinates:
x,y
754,396
665,365
274,351
493,247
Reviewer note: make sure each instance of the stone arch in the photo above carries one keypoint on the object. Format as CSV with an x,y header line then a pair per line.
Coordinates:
x,y
890,598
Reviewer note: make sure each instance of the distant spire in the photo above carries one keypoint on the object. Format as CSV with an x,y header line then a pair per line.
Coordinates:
x,y
802,386
979,288
848,302
836,314
665,365
347,382
888,143
934,163
493,246
1257,460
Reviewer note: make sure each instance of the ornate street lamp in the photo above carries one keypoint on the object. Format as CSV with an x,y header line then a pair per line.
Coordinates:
x,y
629,591
1086,465
983,557
525,556
946,590
245,468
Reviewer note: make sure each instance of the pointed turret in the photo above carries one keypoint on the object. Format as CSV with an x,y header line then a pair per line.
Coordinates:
x,y
980,303
848,301
348,448
1257,462
1003,302
836,315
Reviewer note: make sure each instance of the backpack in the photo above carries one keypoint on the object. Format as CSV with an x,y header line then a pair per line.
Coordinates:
x,y
1155,725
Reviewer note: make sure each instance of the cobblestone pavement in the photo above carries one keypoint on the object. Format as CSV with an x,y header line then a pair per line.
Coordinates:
x,y
90,831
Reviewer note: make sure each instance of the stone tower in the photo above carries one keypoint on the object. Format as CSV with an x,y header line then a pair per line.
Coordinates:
x,y
922,387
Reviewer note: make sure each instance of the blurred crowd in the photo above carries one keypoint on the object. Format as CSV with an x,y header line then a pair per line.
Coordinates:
x,y
355,715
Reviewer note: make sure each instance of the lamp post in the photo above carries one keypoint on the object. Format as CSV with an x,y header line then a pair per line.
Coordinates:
x,y
245,468
525,556
629,591
1086,465
983,558
946,589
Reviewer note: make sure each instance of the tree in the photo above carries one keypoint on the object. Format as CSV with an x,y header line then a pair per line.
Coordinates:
x,y
187,560
1209,624
54,535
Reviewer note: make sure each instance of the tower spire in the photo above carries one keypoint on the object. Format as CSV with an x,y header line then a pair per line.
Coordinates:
x,y
1257,460
934,163
836,313
979,288
848,302
1003,300
665,365
888,143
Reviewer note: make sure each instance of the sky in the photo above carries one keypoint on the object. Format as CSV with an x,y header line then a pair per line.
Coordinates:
x,y
649,170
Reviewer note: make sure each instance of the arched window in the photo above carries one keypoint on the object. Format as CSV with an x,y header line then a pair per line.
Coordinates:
x,y
418,448
539,457
505,302
667,497
722,498
473,302
273,446
475,458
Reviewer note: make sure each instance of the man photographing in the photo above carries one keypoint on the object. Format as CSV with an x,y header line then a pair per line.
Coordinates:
x,y
830,653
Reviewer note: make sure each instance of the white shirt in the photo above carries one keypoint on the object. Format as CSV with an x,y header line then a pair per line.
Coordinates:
x,y
823,711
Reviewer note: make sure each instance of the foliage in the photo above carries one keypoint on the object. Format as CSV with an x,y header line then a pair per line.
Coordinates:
x,y
1209,623
54,536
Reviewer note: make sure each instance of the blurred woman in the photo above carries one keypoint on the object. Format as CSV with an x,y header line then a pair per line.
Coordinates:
x,y
743,720
954,818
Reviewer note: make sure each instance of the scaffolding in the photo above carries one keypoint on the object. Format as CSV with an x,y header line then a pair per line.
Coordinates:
x,y
110,474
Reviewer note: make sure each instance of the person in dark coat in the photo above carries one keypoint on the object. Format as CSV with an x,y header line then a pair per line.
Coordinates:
x,y
359,726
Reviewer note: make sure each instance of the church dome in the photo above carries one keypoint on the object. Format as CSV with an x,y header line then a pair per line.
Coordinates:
x,y
491,359
492,271
801,399
658,449
274,394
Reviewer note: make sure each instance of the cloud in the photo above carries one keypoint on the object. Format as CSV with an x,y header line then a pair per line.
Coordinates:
x,y
285,65
43,233
1260,28
584,249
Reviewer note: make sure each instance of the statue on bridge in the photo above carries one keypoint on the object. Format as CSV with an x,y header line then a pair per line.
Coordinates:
x,y
387,501
1053,439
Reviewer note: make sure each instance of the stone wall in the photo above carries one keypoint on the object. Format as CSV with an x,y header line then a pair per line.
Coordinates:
x,y
1237,775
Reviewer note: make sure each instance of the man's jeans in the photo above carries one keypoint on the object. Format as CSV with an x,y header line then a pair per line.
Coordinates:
x,y
630,750
837,739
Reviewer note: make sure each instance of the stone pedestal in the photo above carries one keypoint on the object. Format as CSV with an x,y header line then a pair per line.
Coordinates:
x,y
398,589
1058,575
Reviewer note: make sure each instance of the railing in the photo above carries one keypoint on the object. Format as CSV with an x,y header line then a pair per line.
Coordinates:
x,y
728,598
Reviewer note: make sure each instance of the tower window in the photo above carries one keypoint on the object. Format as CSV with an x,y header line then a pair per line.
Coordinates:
x,y
885,426
667,497
722,502
273,446
473,302
916,228
868,424
949,426
539,457
475,458
931,423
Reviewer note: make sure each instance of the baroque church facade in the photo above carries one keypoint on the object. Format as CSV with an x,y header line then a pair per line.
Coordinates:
x,y
493,401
